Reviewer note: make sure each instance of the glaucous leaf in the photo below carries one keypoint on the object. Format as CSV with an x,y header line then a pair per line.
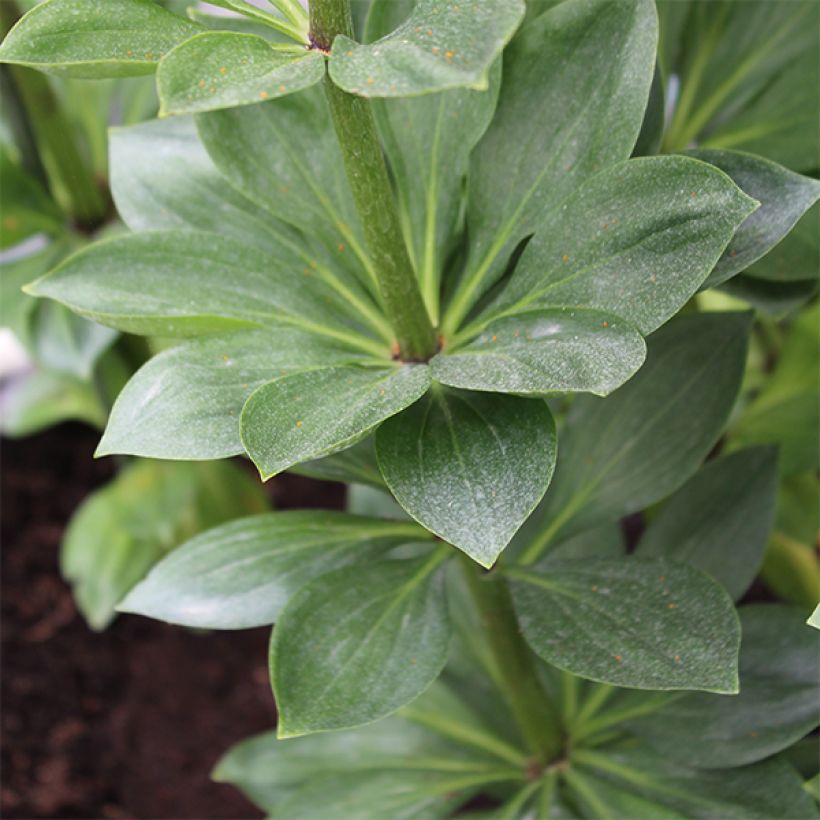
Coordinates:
x,y
469,466
638,239
242,574
428,140
356,464
720,519
783,195
120,531
778,299
797,257
222,69
284,156
185,403
439,46
546,351
357,643
76,38
645,623
307,415
786,412
186,283
640,783
779,700
575,84
622,453
277,773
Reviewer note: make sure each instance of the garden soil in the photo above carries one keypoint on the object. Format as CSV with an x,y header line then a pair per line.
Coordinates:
x,y
127,723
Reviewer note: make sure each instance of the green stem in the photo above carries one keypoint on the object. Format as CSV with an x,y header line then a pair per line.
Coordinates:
x,y
370,186
539,723
70,178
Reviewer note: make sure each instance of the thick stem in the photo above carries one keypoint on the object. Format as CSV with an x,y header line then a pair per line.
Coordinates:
x,y
370,186
537,719
70,179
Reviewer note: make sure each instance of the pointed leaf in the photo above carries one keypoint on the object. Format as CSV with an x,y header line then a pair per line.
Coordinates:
x,y
645,623
779,700
720,520
575,83
175,283
223,69
185,403
638,239
307,415
242,574
439,46
120,531
783,195
76,38
469,466
626,784
356,644
546,351
624,452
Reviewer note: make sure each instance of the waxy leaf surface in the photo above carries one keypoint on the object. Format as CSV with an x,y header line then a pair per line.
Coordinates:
x,y
242,574
720,520
779,700
469,466
644,623
186,402
544,351
575,85
314,413
783,195
622,453
440,45
358,643
223,69
637,240
90,39
355,465
184,283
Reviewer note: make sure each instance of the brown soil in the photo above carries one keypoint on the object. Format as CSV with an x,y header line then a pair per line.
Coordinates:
x,y
127,723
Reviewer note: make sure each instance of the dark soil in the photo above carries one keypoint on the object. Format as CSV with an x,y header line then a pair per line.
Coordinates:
x,y
127,723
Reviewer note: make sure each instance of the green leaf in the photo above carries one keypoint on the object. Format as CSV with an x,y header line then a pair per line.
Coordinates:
x,y
576,83
732,56
285,157
797,257
439,46
720,520
243,573
428,141
640,783
784,197
649,140
119,532
162,177
469,466
356,464
47,397
814,618
359,642
270,771
637,240
185,403
622,453
778,299
777,704
185,283
545,351
316,412
90,40
787,410
27,208
645,623
222,69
